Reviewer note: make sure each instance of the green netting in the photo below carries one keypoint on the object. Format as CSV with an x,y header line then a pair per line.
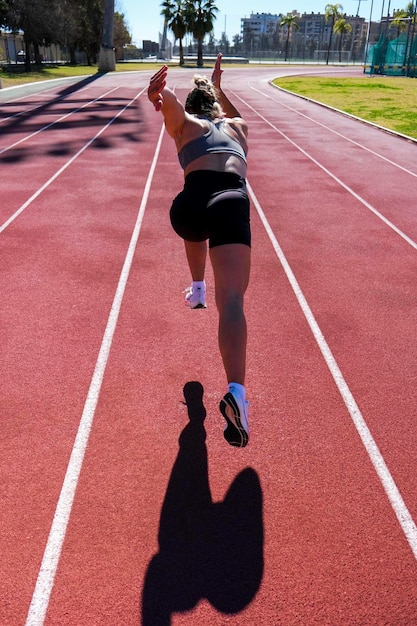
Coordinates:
x,y
375,56
412,61
395,57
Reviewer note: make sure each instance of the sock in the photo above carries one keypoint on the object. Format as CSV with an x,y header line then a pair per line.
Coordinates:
x,y
240,389
198,284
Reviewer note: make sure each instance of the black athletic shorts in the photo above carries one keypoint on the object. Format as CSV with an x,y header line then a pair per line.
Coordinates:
x,y
214,206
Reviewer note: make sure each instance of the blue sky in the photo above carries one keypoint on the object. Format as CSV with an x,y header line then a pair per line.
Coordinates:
x,y
145,21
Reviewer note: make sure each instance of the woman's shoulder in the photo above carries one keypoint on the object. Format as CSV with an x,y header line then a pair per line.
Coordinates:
x,y
237,123
197,121
193,128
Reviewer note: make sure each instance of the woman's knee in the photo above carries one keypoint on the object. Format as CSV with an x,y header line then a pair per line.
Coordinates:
x,y
230,302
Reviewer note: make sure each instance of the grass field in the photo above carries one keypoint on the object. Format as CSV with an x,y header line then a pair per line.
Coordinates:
x,y
389,101
10,79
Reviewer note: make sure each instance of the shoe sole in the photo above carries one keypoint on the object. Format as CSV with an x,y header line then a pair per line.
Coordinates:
x,y
235,434
198,306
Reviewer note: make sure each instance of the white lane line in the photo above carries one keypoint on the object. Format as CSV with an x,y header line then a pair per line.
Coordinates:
x,y
400,509
59,119
332,130
46,576
65,166
399,232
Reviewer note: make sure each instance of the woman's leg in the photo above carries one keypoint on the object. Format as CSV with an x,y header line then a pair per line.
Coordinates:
x,y
196,256
196,252
231,267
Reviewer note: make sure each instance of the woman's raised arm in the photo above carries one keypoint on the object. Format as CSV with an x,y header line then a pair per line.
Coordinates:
x,y
227,106
166,101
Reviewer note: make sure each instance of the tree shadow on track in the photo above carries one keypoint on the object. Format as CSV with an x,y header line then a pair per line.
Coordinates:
x,y
94,116
206,550
66,91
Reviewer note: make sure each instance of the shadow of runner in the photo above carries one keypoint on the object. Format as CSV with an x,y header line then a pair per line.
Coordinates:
x,y
206,550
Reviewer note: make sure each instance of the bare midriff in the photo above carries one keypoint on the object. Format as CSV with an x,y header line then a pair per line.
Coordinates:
x,y
228,163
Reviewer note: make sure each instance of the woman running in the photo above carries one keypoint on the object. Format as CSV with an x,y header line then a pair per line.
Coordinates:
x,y
211,140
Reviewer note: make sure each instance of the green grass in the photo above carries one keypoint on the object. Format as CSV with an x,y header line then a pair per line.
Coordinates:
x,y
10,79
388,101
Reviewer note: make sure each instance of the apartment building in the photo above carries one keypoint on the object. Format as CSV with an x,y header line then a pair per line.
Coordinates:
x,y
259,25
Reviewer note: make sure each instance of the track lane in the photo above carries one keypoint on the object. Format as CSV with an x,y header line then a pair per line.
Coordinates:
x,y
378,333
321,559
57,155
62,261
374,325
133,502
58,147
360,141
350,161
23,131
204,613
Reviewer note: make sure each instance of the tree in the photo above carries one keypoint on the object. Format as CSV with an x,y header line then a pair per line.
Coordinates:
x,y
3,12
237,43
264,42
224,44
92,28
341,27
121,34
399,21
332,12
38,21
69,31
290,21
175,16
248,36
75,24
200,16
403,17
211,45
81,26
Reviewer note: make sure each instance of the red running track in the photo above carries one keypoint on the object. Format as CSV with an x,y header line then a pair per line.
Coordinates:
x,y
121,504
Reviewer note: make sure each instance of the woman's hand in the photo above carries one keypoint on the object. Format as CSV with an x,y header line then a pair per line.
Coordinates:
x,y
217,72
156,87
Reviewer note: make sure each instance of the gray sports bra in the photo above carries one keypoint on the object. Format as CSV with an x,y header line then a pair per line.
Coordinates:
x,y
214,141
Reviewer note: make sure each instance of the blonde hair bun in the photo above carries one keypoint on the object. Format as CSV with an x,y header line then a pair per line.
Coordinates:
x,y
202,100
202,82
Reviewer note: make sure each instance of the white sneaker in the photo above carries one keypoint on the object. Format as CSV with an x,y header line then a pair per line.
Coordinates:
x,y
235,412
195,297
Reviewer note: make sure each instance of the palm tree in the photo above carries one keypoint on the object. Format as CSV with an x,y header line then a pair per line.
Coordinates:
x,y
175,18
341,27
399,21
403,17
332,12
290,21
200,16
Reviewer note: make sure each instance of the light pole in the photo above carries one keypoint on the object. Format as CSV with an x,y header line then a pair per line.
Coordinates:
x,y
107,61
367,38
413,48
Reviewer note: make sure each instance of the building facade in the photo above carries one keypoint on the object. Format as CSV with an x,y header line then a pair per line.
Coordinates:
x,y
261,32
